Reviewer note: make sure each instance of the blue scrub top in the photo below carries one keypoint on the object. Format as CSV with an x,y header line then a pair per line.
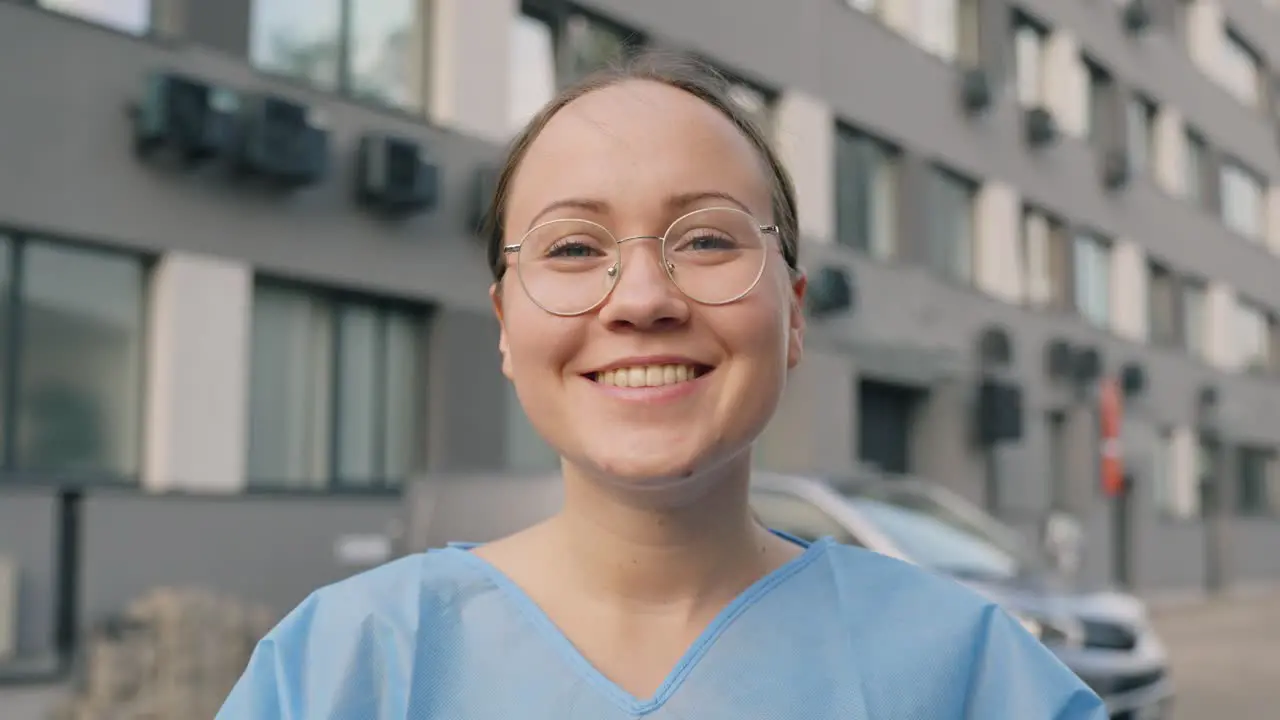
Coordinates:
x,y
838,633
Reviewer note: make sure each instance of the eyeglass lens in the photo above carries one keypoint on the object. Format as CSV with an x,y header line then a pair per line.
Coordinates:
x,y
713,256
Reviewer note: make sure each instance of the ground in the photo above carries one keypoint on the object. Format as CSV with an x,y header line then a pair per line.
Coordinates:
x,y
1226,657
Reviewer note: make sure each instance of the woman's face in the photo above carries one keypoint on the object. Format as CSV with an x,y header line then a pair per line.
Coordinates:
x,y
633,158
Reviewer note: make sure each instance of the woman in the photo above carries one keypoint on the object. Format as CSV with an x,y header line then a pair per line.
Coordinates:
x,y
644,251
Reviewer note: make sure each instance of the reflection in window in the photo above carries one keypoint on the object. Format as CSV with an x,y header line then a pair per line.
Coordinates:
x,y
383,52
131,16
590,46
949,226
307,40
533,68
335,390
866,193
1242,199
80,361
1093,279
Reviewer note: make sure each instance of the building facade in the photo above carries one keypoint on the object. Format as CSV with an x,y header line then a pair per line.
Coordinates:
x,y
1090,188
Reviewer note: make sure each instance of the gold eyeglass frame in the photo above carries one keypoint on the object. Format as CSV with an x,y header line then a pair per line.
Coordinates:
x,y
615,270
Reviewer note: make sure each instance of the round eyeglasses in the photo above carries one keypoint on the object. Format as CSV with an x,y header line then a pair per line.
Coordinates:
x,y
714,256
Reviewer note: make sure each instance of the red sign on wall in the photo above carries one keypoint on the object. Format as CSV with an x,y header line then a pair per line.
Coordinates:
x,y
1111,419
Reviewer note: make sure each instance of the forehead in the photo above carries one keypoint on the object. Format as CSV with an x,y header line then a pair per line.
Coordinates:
x,y
633,145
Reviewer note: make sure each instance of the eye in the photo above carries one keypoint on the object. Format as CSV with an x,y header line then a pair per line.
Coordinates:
x,y
703,240
572,247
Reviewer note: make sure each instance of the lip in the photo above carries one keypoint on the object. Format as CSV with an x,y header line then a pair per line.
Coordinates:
x,y
650,360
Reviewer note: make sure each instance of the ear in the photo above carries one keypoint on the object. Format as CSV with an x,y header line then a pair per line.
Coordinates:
x,y
495,297
795,334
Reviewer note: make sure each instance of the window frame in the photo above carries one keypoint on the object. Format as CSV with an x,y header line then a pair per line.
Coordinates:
x,y
336,298
937,173
344,85
888,156
12,344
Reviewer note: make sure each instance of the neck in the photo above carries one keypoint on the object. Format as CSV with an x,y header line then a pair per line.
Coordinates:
x,y
651,555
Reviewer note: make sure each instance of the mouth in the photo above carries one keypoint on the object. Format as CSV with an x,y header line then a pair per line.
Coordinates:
x,y
642,376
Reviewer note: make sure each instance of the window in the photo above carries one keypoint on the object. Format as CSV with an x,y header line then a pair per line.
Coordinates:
x,y
532,67
1093,279
553,48
335,390
367,49
76,354
1164,481
1046,254
1028,46
949,224
939,26
796,516
1140,120
866,193
1197,168
1162,306
1098,99
1256,482
1242,193
1240,67
1195,325
131,16
1253,337
866,6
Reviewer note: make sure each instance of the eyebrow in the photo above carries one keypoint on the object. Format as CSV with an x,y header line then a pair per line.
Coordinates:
x,y
679,201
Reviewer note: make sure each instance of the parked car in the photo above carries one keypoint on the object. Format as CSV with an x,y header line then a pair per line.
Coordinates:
x,y
1104,637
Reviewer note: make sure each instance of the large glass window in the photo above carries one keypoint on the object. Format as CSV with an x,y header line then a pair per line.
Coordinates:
x,y
78,351
1140,133
368,49
1093,279
1195,324
1162,306
1099,96
1197,168
1028,45
949,228
1256,482
131,16
1253,336
1243,199
866,193
1240,70
335,392
1046,258
551,48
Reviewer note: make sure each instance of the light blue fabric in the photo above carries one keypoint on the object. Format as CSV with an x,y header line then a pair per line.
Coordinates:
x,y
839,633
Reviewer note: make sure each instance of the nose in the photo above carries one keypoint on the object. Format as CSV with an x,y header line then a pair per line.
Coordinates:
x,y
643,296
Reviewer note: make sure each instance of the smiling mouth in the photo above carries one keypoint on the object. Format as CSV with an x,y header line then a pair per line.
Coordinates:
x,y
649,375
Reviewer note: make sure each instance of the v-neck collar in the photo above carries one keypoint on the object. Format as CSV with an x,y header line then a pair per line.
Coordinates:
x,y
576,660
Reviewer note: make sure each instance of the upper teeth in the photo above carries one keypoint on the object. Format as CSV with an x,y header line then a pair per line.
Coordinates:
x,y
647,375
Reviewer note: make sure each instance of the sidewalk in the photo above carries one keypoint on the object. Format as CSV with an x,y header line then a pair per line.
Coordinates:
x,y
1223,650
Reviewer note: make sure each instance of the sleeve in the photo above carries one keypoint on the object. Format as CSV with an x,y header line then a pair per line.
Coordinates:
x,y
1013,675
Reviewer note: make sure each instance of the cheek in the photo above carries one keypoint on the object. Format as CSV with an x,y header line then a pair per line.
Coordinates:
x,y
538,343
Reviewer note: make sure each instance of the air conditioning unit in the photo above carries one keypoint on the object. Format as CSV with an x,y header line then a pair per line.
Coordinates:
x,y
393,178
282,142
1136,16
8,609
975,90
1041,127
831,291
1115,169
187,115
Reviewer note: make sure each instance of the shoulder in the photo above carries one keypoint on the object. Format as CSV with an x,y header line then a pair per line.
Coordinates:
x,y
393,596
960,647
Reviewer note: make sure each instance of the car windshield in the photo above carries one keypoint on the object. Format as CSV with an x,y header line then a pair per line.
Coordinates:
x,y
937,536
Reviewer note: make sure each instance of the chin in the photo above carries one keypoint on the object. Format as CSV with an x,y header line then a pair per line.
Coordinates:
x,y
665,474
